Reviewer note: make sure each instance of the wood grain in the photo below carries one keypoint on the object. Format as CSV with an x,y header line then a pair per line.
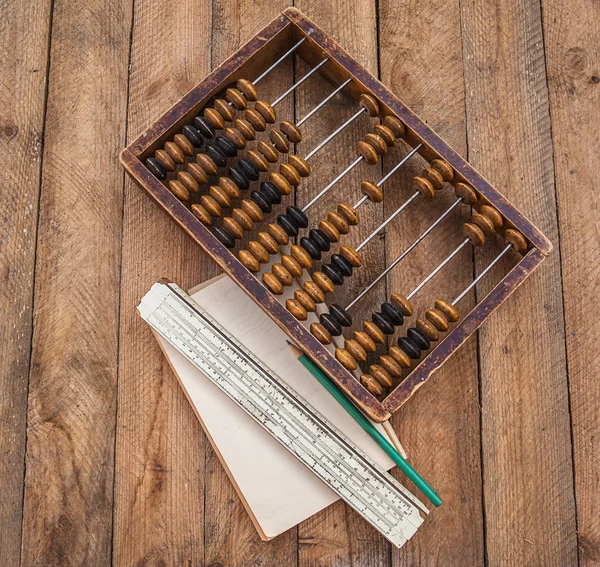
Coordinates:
x,y
24,37
440,426
572,40
528,482
67,516
160,448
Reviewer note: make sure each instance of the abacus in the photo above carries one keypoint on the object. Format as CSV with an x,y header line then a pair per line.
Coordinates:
x,y
186,163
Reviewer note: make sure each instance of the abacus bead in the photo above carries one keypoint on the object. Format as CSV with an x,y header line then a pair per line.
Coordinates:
x,y
515,238
211,205
272,283
279,141
484,223
473,233
175,152
229,187
367,151
399,356
258,160
249,261
383,323
257,121
301,256
214,153
348,212
333,274
223,108
235,136
419,338
188,181
332,233
238,177
286,223
245,128
393,314
466,193
437,319
402,304
248,89
314,291
374,193
339,222
305,300
434,177
448,310
332,326
280,235
444,168
291,131
270,192
492,214
266,111
409,347
207,164
369,104
356,351
243,218
155,168
258,251
372,386
374,332
292,265
296,309
351,255
297,216
197,172
381,375
236,97
184,144
261,201
340,315
192,135
319,238
320,333
390,365
310,247
248,169
395,125
224,237
178,189
424,187
323,282
282,184
365,341
204,126
214,118
344,267
201,214
346,359
282,274
165,160
233,227
386,133
428,329
252,210
268,242
300,164
377,142
290,173
226,146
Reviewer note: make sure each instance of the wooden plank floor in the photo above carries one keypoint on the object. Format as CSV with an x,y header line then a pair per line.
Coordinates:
x,y
102,461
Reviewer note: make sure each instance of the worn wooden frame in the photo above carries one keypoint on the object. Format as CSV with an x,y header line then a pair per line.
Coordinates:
x,y
248,62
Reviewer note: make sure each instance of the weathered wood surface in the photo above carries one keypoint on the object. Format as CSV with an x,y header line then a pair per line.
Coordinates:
x,y
95,474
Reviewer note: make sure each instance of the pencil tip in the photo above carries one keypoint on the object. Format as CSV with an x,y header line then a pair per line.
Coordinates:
x,y
294,348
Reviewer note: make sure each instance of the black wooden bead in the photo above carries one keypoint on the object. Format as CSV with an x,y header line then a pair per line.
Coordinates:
x,y
333,274
298,217
204,126
192,135
249,169
226,146
419,338
155,168
224,236
340,315
386,326
312,249
217,155
409,347
285,222
261,201
392,313
271,192
342,265
319,238
238,177
330,324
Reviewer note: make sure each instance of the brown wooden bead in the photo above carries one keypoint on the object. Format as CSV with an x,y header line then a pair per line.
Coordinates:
x,y
444,168
424,187
465,192
301,256
390,366
296,309
291,265
282,274
434,177
305,300
484,223
381,375
386,133
214,118
346,359
236,98
235,136
492,214
371,190
249,261
279,141
184,144
282,184
252,210
245,128
207,164
437,319
268,151
280,235
515,238
374,332
248,89
365,341
268,242
224,109
330,231
165,160
372,386
202,214
300,164
367,151
320,333
339,222
473,233
229,187
314,291
402,303
179,190
257,121
351,255
197,172
428,329
175,152
348,212
272,283
211,205
290,173
448,310
395,125
326,285
233,227
258,251
354,348
242,218
377,142
188,181
399,356
291,131
258,160
266,111
369,104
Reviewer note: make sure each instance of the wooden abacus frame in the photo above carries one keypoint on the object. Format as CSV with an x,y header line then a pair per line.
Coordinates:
x,y
250,61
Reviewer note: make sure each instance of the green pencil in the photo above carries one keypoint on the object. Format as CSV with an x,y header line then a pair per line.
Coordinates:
x,y
402,463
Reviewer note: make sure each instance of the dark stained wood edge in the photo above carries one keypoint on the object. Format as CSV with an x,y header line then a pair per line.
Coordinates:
x,y
438,356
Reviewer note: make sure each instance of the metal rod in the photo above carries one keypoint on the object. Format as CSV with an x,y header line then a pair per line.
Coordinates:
x,y
323,102
289,52
404,254
296,85
478,278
